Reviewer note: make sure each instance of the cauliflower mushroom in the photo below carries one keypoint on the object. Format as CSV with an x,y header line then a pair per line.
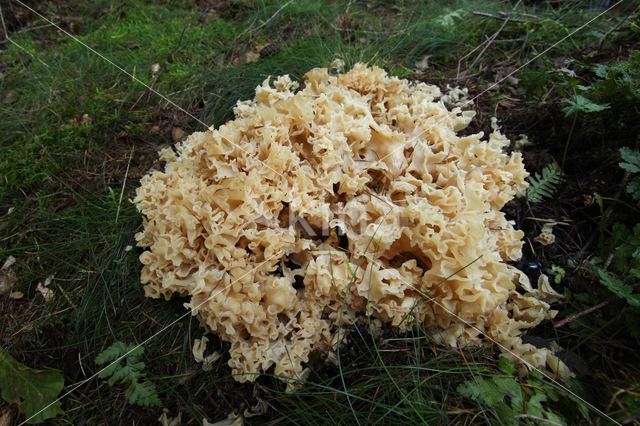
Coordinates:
x,y
351,197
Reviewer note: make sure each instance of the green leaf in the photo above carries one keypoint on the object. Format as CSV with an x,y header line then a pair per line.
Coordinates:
x,y
621,289
582,104
482,390
36,391
631,158
128,373
634,186
534,406
112,353
509,386
545,185
630,167
144,394
506,366
601,70
559,273
108,371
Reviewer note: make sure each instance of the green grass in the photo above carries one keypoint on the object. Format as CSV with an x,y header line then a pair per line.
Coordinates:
x,y
64,180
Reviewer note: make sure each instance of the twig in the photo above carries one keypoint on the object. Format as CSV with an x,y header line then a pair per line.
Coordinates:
x,y
508,40
502,18
583,313
588,311
123,185
526,15
540,419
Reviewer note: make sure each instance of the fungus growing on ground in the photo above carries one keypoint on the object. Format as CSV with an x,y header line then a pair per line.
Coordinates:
x,y
348,199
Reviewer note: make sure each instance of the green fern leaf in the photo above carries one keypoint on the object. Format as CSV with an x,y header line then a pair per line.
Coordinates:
x,y
128,373
545,185
143,394
112,353
632,159
632,164
619,288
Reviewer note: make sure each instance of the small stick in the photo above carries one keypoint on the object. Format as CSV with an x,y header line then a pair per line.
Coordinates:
x,y
581,314
488,15
123,185
587,311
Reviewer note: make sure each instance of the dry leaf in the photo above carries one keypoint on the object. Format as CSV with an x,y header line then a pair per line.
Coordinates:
x,y
232,420
81,120
424,63
567,71
16,295
256,410
512,80
6,276
6,418
251,57
46,292
8,263
178,135
11,97
165,420
155,68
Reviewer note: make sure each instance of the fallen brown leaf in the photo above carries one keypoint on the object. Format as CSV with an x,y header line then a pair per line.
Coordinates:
x,y
178,135
11,97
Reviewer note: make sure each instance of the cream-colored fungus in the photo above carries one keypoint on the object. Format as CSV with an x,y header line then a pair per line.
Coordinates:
x,y
249,221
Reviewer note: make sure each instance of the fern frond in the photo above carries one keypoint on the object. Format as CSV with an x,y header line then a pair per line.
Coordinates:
x,y
112,353
143,394
545,185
